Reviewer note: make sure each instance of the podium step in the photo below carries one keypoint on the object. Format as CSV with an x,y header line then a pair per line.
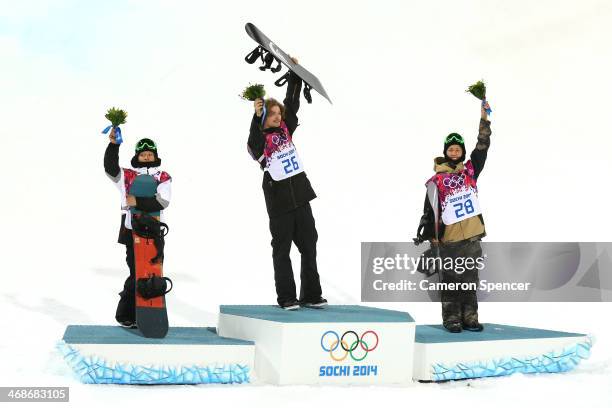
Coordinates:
x,y
187,355
340,344
498,350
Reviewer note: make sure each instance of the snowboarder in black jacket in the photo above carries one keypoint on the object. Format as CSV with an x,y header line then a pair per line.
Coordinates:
x,y
288,193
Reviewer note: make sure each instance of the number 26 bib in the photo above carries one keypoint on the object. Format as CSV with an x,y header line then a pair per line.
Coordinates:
x,y
284,163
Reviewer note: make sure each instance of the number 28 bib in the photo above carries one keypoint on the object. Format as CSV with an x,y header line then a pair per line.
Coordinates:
x,y
461,204
458,195
284,162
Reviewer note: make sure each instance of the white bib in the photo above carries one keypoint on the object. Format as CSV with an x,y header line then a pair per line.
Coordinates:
x,y
284,163
460,205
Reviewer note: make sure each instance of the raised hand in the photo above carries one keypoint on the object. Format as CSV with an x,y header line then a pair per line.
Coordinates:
x,y
131,201
483,109
112,137
258,104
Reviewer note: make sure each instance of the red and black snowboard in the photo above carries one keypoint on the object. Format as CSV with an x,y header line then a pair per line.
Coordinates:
x,y
151,314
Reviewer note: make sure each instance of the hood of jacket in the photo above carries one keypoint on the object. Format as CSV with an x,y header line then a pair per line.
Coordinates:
x,y
441,165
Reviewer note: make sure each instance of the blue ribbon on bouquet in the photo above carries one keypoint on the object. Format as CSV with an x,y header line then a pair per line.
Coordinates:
x,y
263,114
118,137
485,104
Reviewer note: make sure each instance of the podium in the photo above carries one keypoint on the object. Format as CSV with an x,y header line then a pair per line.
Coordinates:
x,y
337,345
187,355
334,345
498,350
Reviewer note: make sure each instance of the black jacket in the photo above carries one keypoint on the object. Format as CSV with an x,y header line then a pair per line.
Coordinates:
x,y
293,192
426,229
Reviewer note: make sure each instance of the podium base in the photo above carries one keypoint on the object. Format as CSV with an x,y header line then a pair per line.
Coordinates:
x,y
187,355
339,344
497,351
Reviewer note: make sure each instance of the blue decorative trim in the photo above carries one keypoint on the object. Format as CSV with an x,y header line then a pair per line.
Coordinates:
x,y
552,362
96,370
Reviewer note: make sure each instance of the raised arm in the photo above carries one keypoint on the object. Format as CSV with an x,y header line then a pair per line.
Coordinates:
x,y
255,144
479,154
292,101
111,159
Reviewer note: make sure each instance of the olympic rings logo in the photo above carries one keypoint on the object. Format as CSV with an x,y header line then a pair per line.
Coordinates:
x,y
340,347
454,181
278,139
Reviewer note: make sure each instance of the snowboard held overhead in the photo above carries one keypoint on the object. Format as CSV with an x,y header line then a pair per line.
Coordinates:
x,y
270,53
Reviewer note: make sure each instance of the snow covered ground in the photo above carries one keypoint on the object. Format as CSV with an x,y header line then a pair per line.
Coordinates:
x,y
396,72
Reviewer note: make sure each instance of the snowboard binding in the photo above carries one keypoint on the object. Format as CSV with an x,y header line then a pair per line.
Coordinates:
x,y
150,228
153,286
269,53
267,58
254,55
307,95
282,80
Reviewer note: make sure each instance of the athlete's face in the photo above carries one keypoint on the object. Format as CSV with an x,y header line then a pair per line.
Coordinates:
x,y
454,152
273,117
146,157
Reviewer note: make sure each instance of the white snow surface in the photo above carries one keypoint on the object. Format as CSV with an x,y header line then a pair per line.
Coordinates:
x,y
396,72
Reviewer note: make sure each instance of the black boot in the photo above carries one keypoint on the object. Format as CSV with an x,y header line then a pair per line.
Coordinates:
x,y
451,316
126,308
453,327
469,318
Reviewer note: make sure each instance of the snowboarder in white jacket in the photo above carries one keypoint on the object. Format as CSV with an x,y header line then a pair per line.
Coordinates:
x,y
145,161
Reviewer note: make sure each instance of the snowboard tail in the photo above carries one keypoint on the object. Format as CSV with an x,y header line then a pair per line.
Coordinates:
x,y
151,314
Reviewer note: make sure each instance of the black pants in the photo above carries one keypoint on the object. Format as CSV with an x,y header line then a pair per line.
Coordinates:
x,y
296,226
457,304
126,309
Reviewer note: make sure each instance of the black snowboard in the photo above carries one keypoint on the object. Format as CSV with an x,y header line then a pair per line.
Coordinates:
x,y
271,53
